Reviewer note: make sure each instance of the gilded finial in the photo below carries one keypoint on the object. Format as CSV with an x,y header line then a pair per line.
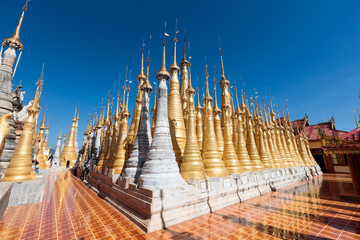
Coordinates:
x,y
42,126
59,137
216,107
147,85
174,65
141,75
207,95
15,38
163,71
223,78
198,106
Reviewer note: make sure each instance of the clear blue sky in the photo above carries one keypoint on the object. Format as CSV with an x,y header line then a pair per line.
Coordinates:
x,y
305,51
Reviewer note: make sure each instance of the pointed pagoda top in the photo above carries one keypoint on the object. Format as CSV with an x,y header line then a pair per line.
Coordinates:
x,y
36,103
116,116
174,66
190,88
42,126
15,38
124,95
77,117
141,75
74,119
147,85
163,71
126,112
185,61
207,94
223,78
242,104
216,108
59,137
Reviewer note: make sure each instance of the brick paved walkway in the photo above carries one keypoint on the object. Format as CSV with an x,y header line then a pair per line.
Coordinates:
x,y
307,210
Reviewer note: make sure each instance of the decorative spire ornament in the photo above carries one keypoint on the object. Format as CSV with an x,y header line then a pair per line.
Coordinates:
x,y
176,118
217,121
199,122
185,73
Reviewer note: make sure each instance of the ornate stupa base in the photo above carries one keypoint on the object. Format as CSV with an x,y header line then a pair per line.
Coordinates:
x,y
154,209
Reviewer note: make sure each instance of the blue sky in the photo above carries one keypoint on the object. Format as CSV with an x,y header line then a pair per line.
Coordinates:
x,y
304,51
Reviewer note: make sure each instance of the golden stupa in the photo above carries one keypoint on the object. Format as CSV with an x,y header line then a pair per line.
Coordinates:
x,y
68,156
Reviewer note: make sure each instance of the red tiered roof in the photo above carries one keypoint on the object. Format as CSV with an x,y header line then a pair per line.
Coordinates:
x,y
312,132
353,135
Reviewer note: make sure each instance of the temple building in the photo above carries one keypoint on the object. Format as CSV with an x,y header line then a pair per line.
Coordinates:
x,y
334,163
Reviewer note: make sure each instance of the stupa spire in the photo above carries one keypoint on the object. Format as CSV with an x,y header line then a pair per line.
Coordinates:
x,y
217,120
185,76
176,117
163,70
15,38
141,75
174,64
199,124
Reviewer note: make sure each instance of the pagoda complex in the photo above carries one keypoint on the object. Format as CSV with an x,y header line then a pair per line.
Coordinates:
x,y
184,161
189,159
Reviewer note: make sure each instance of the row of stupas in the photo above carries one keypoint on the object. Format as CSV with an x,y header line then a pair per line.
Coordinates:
x,y
19,142
188,161
207,141
22,148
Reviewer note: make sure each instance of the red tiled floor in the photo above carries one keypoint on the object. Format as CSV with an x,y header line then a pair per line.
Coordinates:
x,y
307,210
